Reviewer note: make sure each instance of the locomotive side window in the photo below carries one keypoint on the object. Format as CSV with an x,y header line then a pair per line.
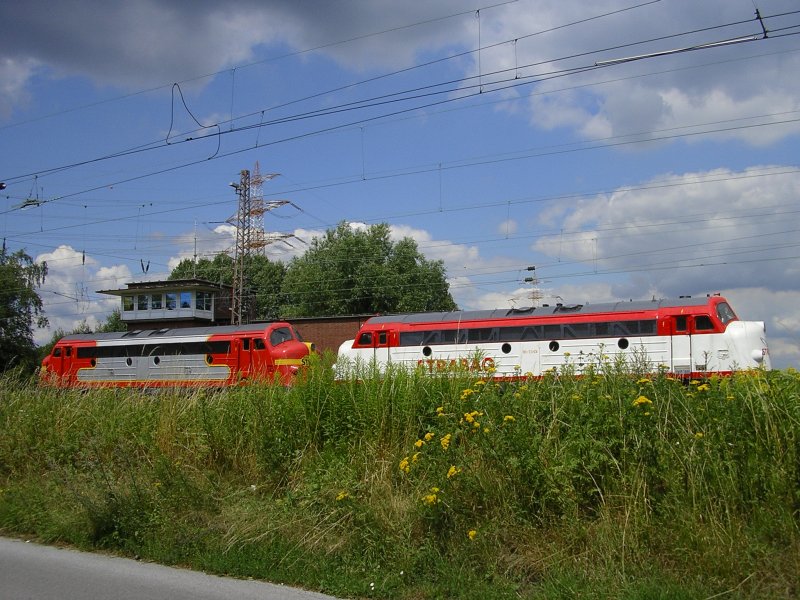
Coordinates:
x,y
365,339
681,324
411,338
703,323
57,352
259,344
280,335
383,338
245,343
69,350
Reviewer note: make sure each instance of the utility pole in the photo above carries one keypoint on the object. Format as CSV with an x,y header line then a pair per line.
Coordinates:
x,y
241,253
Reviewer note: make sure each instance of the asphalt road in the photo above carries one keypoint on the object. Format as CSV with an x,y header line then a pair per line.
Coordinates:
x,y
31,571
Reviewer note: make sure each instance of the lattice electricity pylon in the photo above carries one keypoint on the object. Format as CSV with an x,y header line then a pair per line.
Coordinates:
x,y
241,251
258,240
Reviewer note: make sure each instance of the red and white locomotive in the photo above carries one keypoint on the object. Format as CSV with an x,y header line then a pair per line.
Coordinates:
x,y
686,337
190,357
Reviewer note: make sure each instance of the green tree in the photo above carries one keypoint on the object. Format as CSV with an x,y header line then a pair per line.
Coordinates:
x,y
264,279
113,323
362,271
20,309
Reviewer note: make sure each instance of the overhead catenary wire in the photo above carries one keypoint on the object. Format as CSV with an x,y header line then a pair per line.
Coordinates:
x,y
387,98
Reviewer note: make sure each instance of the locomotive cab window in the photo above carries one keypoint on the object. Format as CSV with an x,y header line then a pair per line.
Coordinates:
x,y
365,339
280,335
725,313
56,351
259,344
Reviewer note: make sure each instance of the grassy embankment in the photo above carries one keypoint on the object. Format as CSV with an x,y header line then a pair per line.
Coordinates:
x,y
612,485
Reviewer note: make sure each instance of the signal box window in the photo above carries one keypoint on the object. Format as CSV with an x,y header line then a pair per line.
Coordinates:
x,y
172,300
203,301
127,303
186,299
141,302
155,302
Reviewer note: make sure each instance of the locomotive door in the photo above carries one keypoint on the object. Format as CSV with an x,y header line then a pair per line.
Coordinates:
x,y
379,342
260,359
243,357
681,345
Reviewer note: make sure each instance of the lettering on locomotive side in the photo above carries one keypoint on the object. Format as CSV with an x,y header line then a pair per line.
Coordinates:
x,y
438,365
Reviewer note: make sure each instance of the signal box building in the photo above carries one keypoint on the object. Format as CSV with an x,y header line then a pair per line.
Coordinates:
x,y
174,303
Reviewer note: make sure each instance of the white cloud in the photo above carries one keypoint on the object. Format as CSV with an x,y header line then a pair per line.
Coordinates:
x,y
68,293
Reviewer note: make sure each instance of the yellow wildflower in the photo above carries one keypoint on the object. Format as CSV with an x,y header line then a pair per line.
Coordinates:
x,y
342,496
509,419
453,471
445,441
703,388
432,498
642,400
698,435
415,458
404,466
480,382
429,436
471,534
643,381
440,410
694,382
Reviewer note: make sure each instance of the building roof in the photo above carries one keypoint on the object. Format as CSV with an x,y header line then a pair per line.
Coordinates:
x,y
201,285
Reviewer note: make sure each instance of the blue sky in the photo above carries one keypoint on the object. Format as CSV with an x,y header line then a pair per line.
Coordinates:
x,y
499,135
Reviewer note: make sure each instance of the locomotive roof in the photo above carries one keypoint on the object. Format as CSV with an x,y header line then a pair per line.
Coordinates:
x,y
541,311
144,334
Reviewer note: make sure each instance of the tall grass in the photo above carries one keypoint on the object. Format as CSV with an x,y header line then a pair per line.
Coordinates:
x,y
614,484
